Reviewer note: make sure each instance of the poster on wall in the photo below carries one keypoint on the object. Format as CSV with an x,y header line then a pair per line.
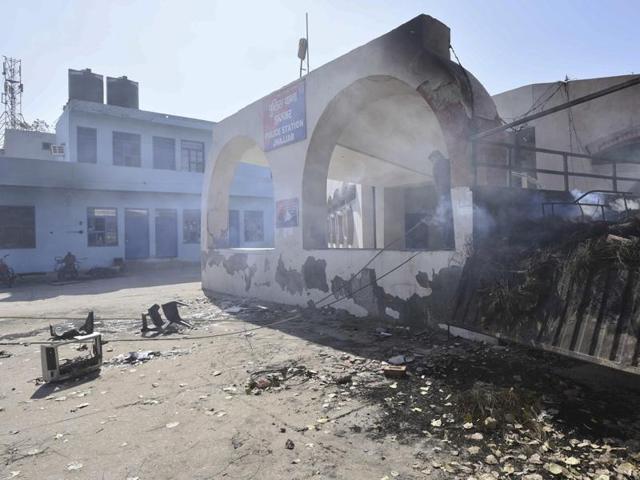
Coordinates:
x,y
284,117
287,213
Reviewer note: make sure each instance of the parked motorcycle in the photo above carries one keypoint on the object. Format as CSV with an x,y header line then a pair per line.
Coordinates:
x,y
7,275
67,267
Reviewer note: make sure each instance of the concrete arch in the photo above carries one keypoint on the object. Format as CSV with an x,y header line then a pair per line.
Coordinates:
x,y
459,103
238,149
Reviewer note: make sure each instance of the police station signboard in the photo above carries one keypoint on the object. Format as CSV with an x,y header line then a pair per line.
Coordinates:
x,y
284,117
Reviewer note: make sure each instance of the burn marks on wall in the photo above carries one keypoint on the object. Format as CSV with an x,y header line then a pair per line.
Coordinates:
x,y
289,279
314,273
363,290
234,264
415,310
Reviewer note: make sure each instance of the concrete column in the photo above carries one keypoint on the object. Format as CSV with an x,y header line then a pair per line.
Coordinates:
x,y
394,213
379,217
367,214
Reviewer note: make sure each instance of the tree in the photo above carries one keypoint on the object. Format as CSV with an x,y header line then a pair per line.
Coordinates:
x,y
38,125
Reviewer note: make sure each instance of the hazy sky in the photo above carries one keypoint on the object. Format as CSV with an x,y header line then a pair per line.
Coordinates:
x,y
207,59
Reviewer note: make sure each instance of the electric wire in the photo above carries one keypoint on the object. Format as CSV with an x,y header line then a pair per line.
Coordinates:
x,y
236,332
422,221
537,104
468,79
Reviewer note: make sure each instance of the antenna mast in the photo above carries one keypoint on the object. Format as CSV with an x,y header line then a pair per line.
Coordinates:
x,y
303,47
11,96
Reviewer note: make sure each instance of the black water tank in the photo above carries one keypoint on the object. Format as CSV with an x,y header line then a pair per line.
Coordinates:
x,y
85,85
122,92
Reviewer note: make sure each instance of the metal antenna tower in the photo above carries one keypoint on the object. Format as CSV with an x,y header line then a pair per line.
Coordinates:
x,y
11,96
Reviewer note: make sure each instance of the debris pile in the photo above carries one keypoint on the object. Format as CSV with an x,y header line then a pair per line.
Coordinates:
x,y
573,287
275,378
501,411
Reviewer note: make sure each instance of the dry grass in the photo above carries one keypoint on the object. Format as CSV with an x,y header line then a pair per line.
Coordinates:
x,y
506,405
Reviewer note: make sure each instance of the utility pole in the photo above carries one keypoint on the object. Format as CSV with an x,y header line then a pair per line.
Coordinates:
x,y
303,48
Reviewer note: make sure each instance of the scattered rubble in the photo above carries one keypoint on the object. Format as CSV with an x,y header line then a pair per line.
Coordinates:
x,y
467,410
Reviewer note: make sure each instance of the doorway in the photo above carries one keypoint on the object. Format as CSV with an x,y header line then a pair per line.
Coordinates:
x,y
136,233
166,233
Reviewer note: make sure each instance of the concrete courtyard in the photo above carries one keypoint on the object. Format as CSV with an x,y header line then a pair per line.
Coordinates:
x,y
298,399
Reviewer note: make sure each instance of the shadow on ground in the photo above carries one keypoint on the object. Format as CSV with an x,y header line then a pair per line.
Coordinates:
x,y
514,397
29,290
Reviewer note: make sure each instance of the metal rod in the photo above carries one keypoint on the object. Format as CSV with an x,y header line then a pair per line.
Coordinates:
x,y
375,226
565,168
306,19
474,163
509,163
557,172
548,150
558,108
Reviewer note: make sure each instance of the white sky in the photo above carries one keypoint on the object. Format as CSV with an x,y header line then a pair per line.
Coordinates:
x,y
207,59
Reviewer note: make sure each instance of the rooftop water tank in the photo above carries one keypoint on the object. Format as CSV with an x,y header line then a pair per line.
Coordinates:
x,y
122,92
86,85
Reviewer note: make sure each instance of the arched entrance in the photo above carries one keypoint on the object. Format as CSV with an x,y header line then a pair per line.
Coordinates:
x,y
240,206
378,165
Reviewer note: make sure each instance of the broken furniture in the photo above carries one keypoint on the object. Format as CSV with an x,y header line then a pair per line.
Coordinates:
x,y
85,329
170,310
55,369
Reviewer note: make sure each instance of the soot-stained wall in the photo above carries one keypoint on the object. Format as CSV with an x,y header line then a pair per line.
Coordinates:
x,y
396,285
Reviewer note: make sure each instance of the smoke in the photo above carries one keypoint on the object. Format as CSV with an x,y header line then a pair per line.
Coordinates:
x,y
612,202
619,204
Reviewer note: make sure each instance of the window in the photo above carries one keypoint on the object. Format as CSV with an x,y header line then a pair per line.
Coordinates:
x,y
46,145
126,149
87,145
17,227
253,226
191,226
102,227
192,156
164,153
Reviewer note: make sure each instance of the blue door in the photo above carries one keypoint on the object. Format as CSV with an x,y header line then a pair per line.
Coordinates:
x,y
234,228
166,233
136,233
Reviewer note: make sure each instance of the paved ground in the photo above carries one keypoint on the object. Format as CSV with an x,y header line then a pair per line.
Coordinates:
x,y
195,411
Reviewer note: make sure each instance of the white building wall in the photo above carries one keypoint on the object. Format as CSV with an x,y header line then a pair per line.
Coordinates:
x,y
106,125
28,144
581,129
61,224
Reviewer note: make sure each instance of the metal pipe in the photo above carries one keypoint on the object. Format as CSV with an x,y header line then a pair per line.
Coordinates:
x,y
558,108
306,19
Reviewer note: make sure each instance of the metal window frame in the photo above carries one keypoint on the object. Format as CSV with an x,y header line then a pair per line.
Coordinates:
x,y
184,147
117,229
153,150
131,135
32,227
